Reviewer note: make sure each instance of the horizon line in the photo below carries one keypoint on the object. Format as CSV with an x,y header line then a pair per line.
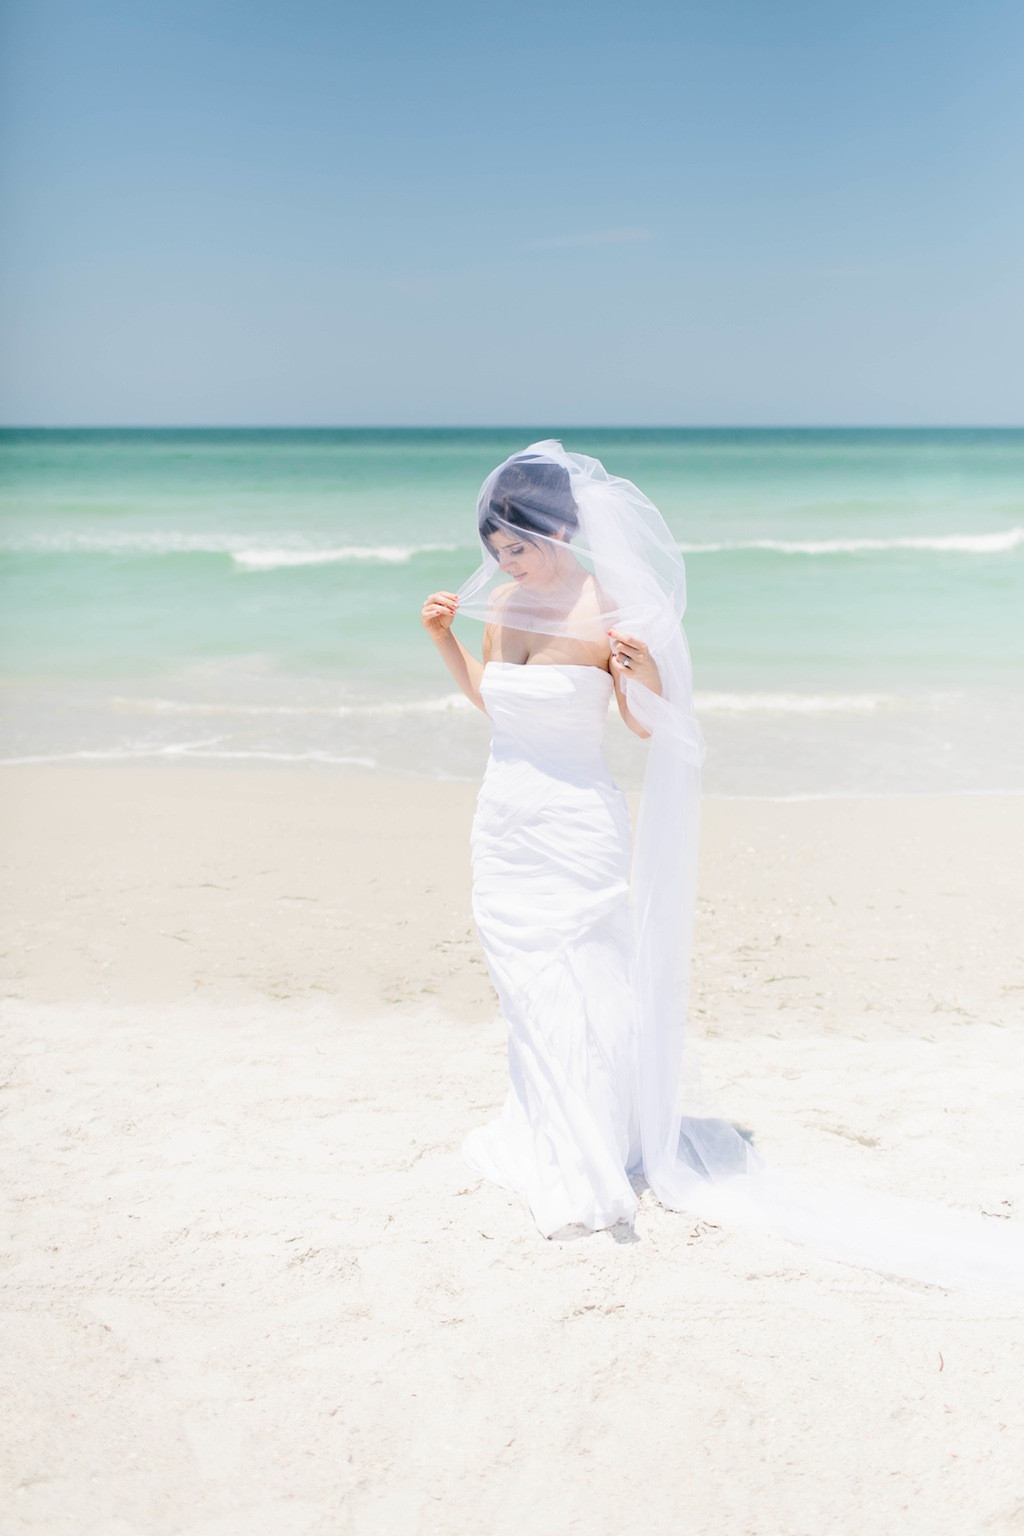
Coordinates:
x,y
565,426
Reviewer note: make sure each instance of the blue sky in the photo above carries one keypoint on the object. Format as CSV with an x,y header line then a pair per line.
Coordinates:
x,y
559,214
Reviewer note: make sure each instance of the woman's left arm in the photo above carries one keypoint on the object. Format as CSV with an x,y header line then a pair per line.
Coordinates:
x,y
631,659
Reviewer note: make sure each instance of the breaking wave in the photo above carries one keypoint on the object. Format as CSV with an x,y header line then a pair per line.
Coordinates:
x,y
941,543
246,555
444,704
385,554
456,703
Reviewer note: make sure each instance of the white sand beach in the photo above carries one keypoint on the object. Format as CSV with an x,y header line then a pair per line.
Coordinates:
x,y
251,1290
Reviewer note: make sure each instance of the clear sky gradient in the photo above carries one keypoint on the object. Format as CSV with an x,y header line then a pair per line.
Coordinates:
x,y
476,213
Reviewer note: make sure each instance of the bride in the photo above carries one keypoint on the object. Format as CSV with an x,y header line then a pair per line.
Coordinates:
x,y
586,928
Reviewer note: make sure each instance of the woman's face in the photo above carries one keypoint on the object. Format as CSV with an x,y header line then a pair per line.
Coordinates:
x,y
527,563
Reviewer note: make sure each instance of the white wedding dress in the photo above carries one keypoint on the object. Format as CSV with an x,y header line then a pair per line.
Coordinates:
x,y
551,848
551,854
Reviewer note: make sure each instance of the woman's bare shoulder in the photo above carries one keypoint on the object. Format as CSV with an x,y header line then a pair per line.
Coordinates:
x,y
500,596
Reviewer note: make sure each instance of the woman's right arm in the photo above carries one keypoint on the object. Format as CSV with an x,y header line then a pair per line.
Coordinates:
x,y
438,613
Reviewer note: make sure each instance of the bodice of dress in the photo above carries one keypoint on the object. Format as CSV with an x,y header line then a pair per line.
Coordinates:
x,y
549,714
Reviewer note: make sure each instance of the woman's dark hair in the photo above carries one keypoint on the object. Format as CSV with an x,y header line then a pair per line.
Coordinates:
x,y
533,495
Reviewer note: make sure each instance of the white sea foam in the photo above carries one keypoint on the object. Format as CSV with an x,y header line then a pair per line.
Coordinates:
x,y
457,703
347,554
942,543
186,750
240,547
127,705
794,703
444,704
712,703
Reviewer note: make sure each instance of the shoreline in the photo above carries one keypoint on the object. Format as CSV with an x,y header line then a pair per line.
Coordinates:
x,y
358,769
951,742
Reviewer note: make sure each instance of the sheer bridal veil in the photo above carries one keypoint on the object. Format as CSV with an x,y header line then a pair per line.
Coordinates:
x,y
611,563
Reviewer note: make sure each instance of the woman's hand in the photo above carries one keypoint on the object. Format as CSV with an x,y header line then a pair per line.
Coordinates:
x,y
632,659
438,613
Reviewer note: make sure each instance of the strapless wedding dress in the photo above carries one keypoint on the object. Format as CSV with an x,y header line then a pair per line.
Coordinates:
x,y
551,846
551,854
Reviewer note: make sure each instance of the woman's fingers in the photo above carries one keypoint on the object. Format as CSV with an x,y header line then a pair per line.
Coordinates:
x,y
627,645
438,611
440,605
632,658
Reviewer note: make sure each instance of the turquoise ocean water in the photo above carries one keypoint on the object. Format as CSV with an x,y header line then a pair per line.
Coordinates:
x,y
856,599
